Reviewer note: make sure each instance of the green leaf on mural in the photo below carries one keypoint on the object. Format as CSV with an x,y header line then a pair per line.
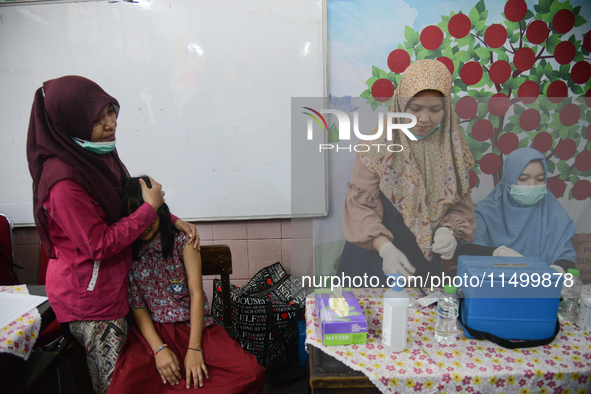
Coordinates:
x,y
546,17
480,27
383,74
544,118
534,77
524,143
544,5
564,170
447,52
371,81
463,56
480,6
511,25
333,133
484,15
502,55
552,42
462,42
515,38
409,34
563,133
548,70
375,71
577,89
482,52
557,6
422,54
514,83
551,166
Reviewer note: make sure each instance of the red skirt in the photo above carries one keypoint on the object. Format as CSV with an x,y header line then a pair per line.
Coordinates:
x,y
231,369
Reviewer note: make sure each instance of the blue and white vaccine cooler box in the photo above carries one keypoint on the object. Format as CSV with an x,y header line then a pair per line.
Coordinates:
x,y
514,298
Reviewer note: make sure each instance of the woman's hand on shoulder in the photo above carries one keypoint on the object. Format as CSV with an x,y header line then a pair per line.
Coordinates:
x,y
168,366
191,230
154,195
195,368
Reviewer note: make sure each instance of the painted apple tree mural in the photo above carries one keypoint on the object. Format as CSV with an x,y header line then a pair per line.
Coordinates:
x,y
525,82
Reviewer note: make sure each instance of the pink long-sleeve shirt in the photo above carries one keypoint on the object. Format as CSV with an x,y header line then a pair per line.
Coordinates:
x,y
363,211
88,278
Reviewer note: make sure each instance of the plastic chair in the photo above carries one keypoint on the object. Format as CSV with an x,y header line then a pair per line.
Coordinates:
x,y
8,275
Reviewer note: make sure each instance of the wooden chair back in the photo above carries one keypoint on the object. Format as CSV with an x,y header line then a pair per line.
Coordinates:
x,y
217,260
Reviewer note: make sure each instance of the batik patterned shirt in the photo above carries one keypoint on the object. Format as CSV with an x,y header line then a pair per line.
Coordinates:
x,y
160,285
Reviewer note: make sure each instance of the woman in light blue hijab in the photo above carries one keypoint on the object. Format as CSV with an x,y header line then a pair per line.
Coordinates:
x,y
519,216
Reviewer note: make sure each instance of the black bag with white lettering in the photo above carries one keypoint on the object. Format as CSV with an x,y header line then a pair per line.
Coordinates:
x,y
264,314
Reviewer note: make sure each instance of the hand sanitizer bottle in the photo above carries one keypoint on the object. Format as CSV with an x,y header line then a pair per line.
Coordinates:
x,y
395,316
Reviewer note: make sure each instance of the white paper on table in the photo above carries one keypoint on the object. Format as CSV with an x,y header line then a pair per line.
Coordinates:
x,y
13,306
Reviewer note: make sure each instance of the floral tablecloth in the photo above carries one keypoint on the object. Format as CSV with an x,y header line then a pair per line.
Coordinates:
x,y
19,336
468,366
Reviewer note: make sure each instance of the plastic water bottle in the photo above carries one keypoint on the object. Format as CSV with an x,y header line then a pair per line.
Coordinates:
x,y
446,328
569,306
395,317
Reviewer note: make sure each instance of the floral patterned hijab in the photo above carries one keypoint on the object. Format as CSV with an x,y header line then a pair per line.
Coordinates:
x,y
428,175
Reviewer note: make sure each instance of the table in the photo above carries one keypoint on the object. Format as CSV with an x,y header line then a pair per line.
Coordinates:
x,y
468,366
20,335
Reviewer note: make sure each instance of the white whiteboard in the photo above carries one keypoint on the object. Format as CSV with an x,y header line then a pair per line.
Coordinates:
x,y
204,86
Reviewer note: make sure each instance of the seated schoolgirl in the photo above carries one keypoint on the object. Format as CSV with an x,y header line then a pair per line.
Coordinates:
x,y
175,340
520,218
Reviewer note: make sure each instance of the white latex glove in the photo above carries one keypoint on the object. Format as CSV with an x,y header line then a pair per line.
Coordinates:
x,y
506,252
395,262
558,268
444,243
337,303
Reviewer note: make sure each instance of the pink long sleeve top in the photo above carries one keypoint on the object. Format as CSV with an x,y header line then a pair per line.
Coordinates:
x,y
363,211
88,278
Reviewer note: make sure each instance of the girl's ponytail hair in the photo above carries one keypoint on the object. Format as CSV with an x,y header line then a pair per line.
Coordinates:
x,y
132,200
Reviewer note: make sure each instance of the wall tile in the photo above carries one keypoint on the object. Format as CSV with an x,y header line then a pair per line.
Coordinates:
x,y
262,253
302,228
286,228
262,229
25,236
229,230
286,254
205,231
302,257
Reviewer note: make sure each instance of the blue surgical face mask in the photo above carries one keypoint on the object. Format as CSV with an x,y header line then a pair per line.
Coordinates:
x,y
420,137
99,148
528,195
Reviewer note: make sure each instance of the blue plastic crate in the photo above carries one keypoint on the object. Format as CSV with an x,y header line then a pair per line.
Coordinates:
x,y
503,297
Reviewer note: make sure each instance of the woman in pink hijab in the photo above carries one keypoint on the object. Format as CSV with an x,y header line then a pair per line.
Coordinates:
x,y
77,185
